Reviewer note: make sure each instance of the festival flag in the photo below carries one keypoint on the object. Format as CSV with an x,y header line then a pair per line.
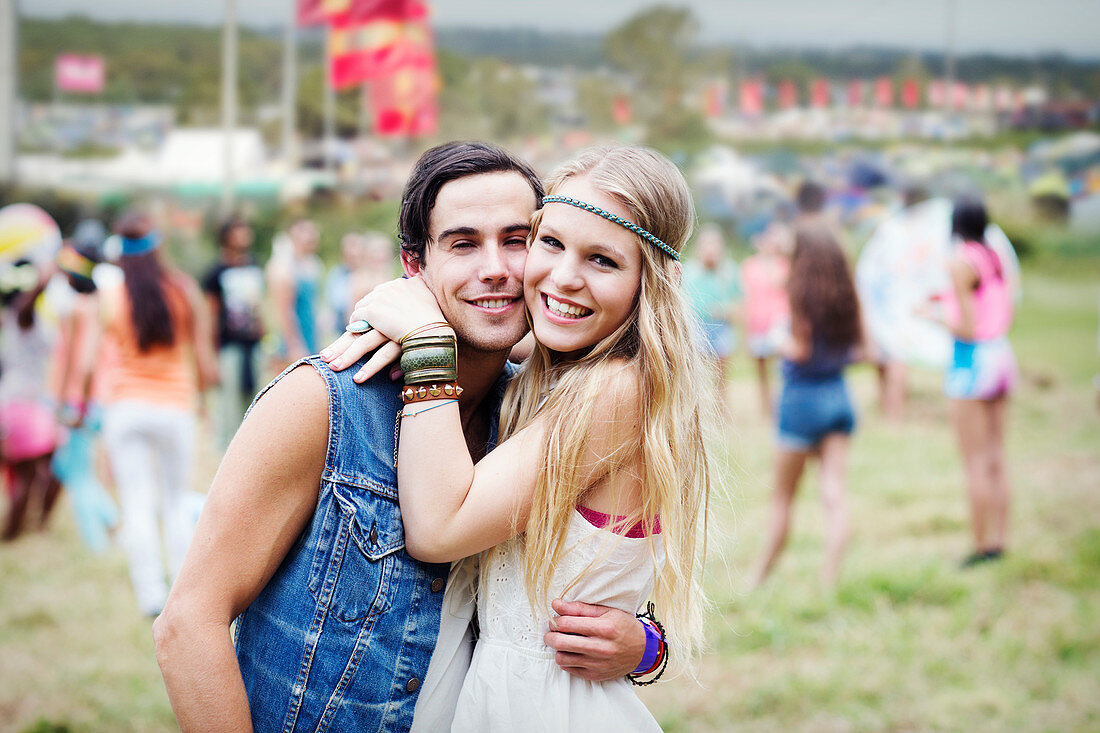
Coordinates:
x,y
910,93
361,52
819,93
752,97
981,98
620,110
351,11
788,94
74,73
855,93
959,95
405,102
311,12
884,92
937,93
714,99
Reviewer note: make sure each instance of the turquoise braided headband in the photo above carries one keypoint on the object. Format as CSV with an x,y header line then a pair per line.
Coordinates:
x,y
617,219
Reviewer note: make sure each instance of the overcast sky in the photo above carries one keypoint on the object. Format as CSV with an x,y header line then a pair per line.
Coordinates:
x,y
1006,26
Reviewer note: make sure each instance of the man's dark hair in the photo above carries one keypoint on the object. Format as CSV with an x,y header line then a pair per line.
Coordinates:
x,y
441,165
228,226
810,197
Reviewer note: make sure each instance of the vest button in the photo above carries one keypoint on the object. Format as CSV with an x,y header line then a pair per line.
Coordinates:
x,y
437,585
374,534
412,685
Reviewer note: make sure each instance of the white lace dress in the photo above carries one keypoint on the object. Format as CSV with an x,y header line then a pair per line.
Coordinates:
x,y
513,683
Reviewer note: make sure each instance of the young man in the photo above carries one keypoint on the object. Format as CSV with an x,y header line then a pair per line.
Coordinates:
x,y
301,535
234,288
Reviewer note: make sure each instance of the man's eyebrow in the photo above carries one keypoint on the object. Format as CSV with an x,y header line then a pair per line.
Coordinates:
x,y
464,231
473,231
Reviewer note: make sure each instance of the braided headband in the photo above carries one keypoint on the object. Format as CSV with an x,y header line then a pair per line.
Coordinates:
x,y
617,219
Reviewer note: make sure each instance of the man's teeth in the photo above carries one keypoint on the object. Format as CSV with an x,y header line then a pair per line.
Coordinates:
x,y
494,303
566,309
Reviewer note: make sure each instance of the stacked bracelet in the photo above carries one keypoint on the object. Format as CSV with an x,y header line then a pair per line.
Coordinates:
x,y
421,329
655,658
423,392
427,359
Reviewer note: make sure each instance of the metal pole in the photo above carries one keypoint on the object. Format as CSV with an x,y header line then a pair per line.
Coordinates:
x,y
949,58
290,88
329,142
9,20
229,100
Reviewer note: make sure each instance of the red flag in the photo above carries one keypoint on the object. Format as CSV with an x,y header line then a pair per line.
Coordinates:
x,y
73,73
752,97
819,93
855,93
910,93
884,92
360,52
351,11
788,94
405,103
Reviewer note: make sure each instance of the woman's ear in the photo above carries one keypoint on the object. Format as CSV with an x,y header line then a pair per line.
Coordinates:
x,y
678,272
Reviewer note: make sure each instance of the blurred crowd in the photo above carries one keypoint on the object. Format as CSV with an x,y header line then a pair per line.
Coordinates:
x,y
114,362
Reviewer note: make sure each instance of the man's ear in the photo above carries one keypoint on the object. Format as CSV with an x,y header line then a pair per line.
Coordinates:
x,y
410,263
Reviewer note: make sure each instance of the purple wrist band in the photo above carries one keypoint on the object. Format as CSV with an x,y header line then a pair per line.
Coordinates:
x,y
652,647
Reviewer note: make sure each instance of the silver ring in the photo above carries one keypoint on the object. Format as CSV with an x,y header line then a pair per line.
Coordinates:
x,y
359,327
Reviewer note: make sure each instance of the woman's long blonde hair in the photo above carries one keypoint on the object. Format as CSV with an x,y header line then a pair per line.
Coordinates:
x,y
656,341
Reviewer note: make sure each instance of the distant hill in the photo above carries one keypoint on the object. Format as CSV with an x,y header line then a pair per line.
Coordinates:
x,y
180,64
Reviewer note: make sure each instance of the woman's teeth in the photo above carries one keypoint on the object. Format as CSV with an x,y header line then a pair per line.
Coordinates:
x,y
566,309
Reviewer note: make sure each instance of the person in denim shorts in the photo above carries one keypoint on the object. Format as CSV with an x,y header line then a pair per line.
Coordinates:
x,y
815,416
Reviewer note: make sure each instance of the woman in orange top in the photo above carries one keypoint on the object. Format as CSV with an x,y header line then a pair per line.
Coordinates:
x,y
157,324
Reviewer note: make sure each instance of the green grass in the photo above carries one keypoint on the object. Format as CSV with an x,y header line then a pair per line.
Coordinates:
x,y
907,642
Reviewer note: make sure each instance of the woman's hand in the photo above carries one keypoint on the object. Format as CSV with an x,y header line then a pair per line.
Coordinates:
x,y
393,309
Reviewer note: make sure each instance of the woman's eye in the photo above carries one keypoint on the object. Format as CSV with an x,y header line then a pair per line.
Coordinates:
x,y
551,242
605,262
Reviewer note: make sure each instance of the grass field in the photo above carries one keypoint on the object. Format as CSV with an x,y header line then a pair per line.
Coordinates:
x,y
906,642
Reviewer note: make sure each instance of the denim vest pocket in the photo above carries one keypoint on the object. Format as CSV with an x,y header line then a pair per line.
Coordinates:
x,y
354,562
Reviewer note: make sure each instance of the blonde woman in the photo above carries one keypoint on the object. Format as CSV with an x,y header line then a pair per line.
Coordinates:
x,y
598,491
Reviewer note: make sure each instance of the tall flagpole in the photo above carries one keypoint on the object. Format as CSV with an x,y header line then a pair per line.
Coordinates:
x,y
229,101
290,87
949,60
9,19
328,143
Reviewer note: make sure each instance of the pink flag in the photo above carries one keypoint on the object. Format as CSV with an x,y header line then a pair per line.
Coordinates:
x,y
959,95
910,93
855,93
752,97
884,91
937,93
788,94
74,73
819,93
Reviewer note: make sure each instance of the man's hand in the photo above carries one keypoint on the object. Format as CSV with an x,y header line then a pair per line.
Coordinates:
x,y
595,643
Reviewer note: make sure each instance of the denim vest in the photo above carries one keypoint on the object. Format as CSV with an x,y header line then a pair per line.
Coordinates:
x,y
341,637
